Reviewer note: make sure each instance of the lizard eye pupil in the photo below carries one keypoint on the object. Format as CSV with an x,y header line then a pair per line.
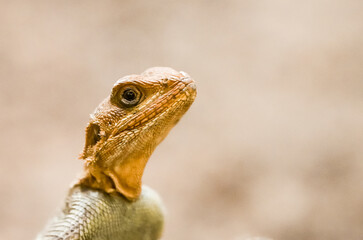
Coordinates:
x,y
130,97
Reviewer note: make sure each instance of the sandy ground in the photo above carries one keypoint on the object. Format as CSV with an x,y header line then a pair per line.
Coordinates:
x,y
273,145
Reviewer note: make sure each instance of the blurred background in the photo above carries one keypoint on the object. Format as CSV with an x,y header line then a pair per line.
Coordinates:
x,y
272,146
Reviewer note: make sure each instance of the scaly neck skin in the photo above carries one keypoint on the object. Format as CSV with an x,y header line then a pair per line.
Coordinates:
x,y
128,125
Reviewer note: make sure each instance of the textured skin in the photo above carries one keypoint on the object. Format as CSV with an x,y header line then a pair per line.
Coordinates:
x,y
93,214
109,202
120,139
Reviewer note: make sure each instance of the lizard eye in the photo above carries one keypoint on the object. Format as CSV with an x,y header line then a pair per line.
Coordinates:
x,y
130,96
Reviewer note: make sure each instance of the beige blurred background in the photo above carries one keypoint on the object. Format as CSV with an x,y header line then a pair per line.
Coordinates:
x,y
273,145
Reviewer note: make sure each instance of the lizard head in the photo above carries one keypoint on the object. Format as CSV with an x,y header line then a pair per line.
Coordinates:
x,y
127,126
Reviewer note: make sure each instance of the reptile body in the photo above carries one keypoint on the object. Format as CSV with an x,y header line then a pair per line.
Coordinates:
x,y
109,201
94,214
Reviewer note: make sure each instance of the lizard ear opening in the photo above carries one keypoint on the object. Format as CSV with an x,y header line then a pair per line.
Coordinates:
x,y
92,137
93,134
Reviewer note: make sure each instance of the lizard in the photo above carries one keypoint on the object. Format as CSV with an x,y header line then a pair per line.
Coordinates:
x,y
109,200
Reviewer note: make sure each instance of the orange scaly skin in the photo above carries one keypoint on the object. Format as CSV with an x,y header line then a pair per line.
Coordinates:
x,y
120,139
